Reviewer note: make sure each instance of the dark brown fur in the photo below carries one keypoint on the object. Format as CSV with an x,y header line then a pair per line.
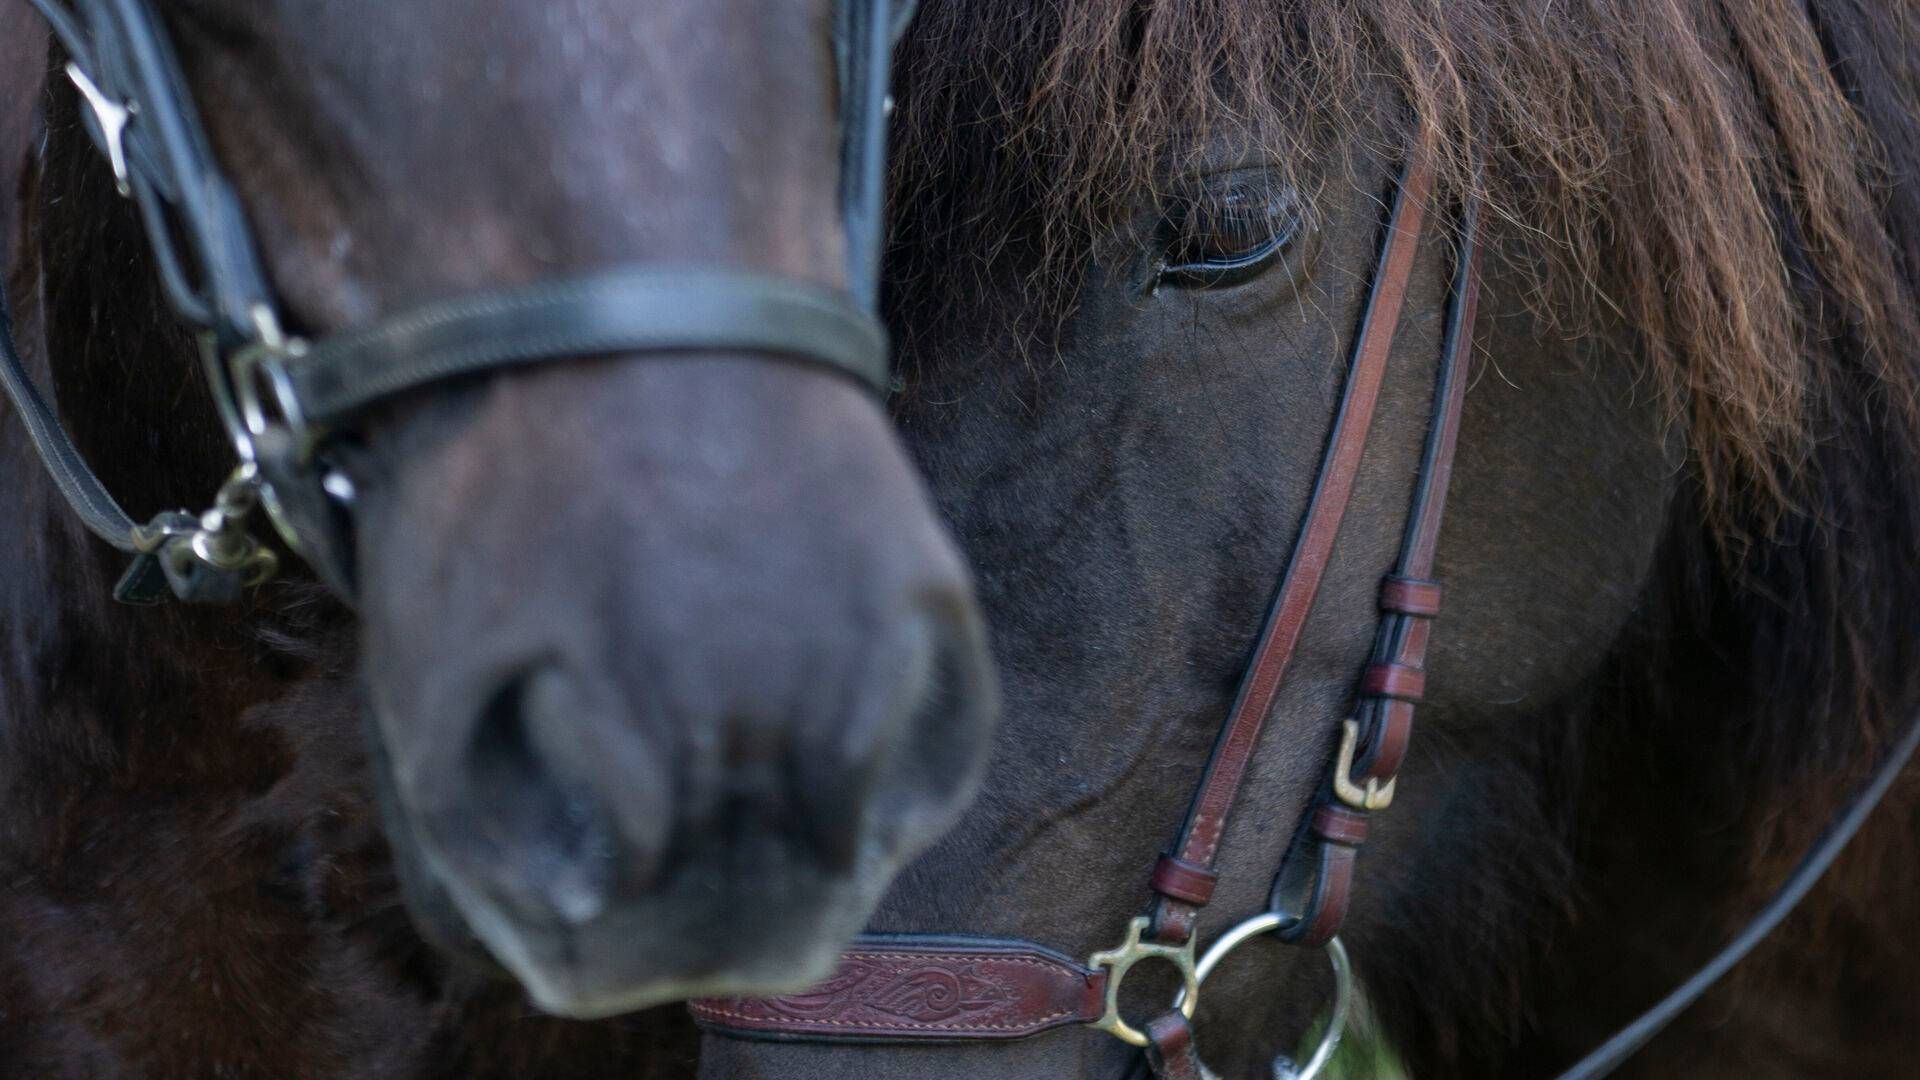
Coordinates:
x,y
1653,151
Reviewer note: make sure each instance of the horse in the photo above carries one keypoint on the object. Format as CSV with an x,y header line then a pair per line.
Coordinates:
x,y
1131,249
664,662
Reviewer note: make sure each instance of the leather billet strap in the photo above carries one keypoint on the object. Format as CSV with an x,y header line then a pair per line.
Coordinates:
x,y
1199,843
1409,597
924,989
1171,1052
1374,743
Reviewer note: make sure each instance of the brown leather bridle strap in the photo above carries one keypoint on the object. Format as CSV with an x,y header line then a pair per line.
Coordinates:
x,y
1374,742
1410,598
1170,1051
1193,856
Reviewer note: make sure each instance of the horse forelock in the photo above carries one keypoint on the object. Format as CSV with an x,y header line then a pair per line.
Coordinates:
x,y
1649,161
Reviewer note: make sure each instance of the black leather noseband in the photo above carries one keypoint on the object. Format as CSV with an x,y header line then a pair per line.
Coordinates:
x,y
633,310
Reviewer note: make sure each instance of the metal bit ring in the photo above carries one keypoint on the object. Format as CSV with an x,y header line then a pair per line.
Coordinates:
x,y
1266,923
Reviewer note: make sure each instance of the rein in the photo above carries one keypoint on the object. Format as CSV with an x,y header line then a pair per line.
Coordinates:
x,y
282,399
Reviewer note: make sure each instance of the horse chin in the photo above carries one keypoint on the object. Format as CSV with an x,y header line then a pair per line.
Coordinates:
x,y
667,947
700,936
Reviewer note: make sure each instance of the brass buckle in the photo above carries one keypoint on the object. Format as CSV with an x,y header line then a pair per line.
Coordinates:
x,y
1374,795
1120,960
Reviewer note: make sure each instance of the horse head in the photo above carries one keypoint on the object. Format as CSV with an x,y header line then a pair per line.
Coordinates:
x,y
1129,298
670,662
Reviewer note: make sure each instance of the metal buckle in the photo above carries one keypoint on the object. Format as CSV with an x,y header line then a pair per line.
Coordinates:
x,y
270,426
1374,795
207,559
259,366
1120,960
1265,923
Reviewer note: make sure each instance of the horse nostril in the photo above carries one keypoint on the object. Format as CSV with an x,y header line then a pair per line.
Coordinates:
x,y
552,846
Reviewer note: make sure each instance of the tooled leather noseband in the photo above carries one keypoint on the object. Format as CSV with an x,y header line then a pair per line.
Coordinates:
x,y
283,399
924,988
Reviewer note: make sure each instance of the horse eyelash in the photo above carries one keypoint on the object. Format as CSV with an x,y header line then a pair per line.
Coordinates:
x,y
1278,213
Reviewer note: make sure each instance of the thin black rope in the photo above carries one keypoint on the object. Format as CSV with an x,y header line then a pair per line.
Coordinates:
x,y
1615,1051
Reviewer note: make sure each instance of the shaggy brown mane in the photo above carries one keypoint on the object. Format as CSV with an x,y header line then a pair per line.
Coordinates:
x,y
1662,155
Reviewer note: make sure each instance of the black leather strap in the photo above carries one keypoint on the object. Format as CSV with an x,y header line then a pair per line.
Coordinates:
x,y
1813,865
90,500
153,574
202,245
630,310
863,47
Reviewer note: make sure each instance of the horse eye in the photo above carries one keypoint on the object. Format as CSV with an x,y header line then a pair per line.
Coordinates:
x,y
1227,232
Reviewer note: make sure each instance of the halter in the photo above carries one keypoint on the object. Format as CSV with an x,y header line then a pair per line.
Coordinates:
x,y
926,988
281,399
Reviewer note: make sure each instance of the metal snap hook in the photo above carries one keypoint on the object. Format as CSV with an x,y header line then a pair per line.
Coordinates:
x,y
1266,923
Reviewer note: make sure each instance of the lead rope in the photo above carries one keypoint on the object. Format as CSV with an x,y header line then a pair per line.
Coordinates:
x,y
91,501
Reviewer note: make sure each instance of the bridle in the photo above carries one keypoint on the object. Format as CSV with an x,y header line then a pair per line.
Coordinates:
x,y
916,988
284,401
926,988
